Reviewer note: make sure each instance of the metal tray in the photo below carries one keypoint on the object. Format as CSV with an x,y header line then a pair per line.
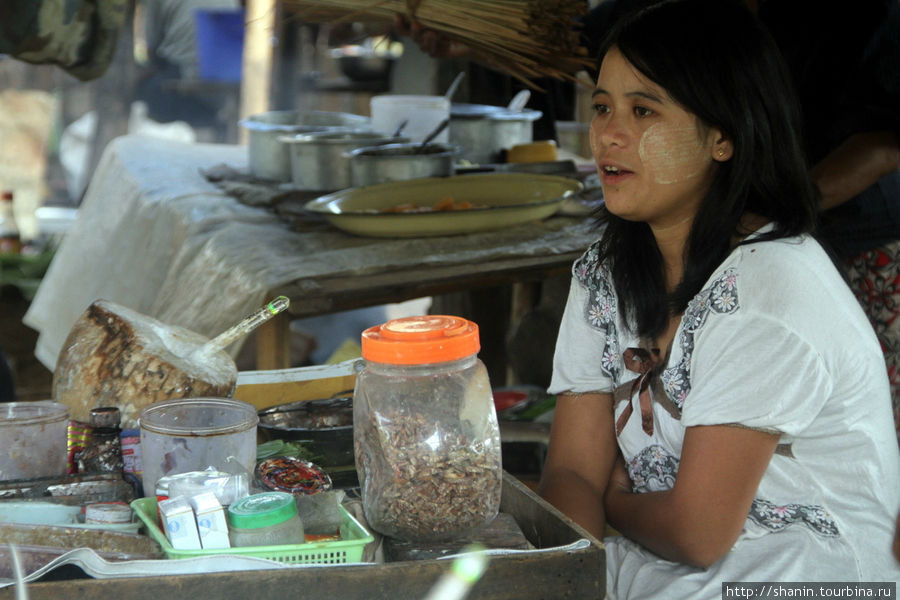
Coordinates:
x,y
69,489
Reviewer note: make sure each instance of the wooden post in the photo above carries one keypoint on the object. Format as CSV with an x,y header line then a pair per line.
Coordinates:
x,y
525,296
273,343
112,106
256,73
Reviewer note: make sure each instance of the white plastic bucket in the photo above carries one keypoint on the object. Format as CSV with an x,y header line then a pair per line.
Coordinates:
x,y
424,114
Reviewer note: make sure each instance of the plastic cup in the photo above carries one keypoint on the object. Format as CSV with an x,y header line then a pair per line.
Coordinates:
x,y
195,434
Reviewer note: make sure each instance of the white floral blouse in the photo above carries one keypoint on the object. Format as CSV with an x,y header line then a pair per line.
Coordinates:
x,y
775,341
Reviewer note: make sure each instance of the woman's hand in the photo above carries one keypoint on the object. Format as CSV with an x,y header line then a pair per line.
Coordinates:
x,y
861,160
581,455
699,519
619,480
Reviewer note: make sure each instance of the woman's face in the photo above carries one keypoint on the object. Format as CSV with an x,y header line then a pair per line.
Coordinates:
x,y
654,159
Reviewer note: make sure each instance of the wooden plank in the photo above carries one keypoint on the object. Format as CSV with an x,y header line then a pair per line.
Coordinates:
x,y
547,575
507,578
311,297
265,389
324,295
525,296
502,532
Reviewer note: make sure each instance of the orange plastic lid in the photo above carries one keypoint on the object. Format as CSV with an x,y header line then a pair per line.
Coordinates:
x,y
421,340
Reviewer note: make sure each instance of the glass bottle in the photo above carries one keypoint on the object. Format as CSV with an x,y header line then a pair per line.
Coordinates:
x,y
10,240
103,453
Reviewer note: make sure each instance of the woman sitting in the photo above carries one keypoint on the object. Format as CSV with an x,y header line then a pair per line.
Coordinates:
x,y
723,401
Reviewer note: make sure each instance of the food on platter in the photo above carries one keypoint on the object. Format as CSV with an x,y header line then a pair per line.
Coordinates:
x,y
444,204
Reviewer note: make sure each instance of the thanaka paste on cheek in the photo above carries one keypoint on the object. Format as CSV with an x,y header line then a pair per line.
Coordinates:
x,y
594,142
671,153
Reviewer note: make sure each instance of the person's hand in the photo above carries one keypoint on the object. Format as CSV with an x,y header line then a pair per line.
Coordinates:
x,y
432,43
619,481
860,161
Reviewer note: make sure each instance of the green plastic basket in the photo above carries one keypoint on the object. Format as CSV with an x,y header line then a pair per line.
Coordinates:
x,y
348,549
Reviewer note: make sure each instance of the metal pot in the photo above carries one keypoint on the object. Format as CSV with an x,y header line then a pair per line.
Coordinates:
x,y
325,425
399,162
268,157
318,160
482,132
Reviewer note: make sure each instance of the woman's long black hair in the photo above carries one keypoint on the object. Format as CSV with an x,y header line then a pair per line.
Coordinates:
x,y
715,59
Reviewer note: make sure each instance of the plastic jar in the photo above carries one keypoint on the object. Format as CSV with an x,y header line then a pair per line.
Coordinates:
x,y
196,434
426,439
266,519
33,439
106,513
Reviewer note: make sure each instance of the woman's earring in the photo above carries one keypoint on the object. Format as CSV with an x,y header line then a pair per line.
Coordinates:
x,y
721,152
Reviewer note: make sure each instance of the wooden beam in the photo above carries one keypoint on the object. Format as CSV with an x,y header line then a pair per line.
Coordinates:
x,y
256,73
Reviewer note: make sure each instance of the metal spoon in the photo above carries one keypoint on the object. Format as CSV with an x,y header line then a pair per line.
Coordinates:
x,y
455,84
434,133
400,128
519,101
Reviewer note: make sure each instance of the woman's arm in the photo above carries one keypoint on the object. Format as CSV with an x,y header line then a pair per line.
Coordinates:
x,y
580,458
700,518
861,160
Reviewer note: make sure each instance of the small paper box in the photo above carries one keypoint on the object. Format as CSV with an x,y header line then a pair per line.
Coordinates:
x,y
211,524
179,523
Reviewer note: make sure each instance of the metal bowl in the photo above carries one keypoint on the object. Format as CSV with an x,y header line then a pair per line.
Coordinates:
x,y
399,162
319,160
326,426
366,68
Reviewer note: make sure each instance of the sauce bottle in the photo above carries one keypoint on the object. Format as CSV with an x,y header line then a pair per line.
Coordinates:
x,y
10,240
103,454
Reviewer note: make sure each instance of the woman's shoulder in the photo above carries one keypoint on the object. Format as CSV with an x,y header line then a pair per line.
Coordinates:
x,y
590,269
786,260
779,279
791,280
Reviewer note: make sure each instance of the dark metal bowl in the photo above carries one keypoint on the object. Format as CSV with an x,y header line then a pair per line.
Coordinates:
x,y
365,67
399,162
326,426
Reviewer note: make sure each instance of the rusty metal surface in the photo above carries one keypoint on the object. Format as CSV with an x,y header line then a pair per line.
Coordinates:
x,y
60,537
69,489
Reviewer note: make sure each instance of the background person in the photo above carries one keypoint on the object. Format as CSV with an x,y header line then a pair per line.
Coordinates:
x,y
169,30
846,69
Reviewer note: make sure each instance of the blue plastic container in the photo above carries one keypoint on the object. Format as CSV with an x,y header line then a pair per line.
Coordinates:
x,y
220,43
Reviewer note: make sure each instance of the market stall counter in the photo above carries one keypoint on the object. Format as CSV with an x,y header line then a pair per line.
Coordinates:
x,y
566,562
154,234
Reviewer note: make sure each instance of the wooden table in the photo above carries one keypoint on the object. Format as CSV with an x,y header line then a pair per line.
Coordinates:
x,y
310,297
153,234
